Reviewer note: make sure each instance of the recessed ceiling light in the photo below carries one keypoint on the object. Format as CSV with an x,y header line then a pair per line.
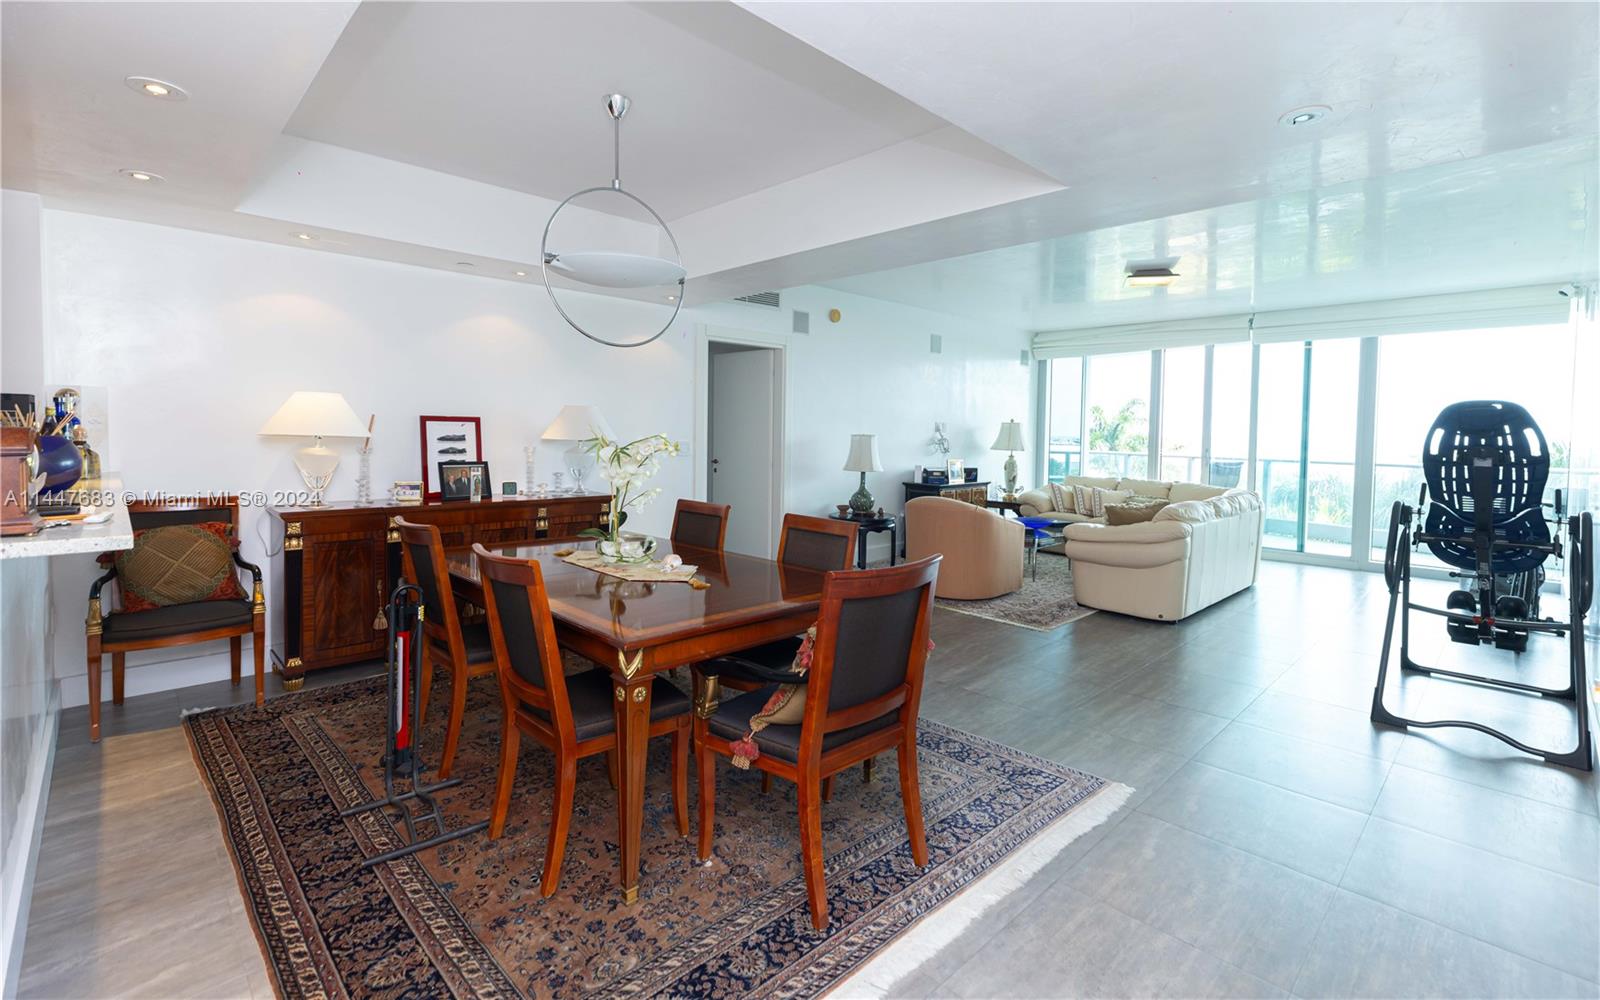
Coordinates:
x,y
160,89
141,175
1151,277
1309,115
303,236
520,274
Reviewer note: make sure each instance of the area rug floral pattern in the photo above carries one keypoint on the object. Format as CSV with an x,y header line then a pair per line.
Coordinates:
x,y
466,919
1044,603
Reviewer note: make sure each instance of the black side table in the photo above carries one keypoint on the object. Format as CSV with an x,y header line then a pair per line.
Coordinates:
x,y
868,525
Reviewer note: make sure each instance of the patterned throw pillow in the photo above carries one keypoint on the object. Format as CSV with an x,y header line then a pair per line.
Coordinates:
x,y
1134,510
786,707
1061,500
178,564
1092,500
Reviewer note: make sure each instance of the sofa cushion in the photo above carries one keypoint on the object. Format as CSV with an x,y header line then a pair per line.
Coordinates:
x,y
1033,502
1061,498
1194,491
1134,510
1187,511
1146,488
1101,482
1092,500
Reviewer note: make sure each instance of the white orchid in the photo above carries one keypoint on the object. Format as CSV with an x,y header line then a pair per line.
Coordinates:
x,y
627,467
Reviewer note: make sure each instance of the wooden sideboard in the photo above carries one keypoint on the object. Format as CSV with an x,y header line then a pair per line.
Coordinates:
x,y
976,494
340,561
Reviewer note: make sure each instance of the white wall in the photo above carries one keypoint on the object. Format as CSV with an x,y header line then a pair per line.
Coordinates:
x,y
198,339
28,706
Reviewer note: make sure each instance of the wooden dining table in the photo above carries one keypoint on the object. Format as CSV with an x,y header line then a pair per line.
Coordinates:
x,y
638,629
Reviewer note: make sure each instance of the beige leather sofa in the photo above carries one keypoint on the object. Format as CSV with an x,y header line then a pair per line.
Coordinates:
x,y
1203,546
982,552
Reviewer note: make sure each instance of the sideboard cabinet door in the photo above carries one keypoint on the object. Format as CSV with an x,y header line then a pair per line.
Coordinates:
x,y
343,592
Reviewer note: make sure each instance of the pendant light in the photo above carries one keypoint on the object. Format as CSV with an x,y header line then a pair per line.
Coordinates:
x,y
609,269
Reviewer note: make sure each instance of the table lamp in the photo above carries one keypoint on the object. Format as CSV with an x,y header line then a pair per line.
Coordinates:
x,y
315,415
1009,440
863,459
576,423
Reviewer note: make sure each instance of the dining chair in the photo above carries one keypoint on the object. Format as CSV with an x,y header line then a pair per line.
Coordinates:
x,y
463,648
571,716
702,525
862,694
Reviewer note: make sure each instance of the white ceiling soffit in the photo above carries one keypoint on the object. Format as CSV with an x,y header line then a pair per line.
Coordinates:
x,y
1513,218
512,94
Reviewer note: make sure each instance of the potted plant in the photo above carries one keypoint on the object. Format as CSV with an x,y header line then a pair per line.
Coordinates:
x,y
627,468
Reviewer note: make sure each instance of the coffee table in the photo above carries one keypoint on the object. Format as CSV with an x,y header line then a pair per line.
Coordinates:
x,y
1040,531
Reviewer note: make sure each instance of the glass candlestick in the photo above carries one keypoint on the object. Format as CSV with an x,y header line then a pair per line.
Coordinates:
x,y
527,471
364,477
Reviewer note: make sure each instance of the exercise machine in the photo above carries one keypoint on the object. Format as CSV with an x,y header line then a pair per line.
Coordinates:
x,y
401,759
1482,512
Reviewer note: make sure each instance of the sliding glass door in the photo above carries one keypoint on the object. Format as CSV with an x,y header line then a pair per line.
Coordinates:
x,y
1306,443
1117,391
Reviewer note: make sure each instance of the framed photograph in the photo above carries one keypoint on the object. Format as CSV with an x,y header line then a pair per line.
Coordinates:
x,y
448,439
464,480
955,470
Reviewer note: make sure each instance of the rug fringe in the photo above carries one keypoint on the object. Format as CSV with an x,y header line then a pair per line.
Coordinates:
x,y
942,926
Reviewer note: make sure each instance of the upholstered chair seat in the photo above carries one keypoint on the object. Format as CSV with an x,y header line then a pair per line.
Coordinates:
x,y
732,722
592,706
177,619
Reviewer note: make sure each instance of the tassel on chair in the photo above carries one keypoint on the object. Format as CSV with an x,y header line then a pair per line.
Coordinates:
x,y
744,751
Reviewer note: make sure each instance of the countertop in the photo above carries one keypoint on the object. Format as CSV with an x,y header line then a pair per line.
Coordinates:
x,y
75,536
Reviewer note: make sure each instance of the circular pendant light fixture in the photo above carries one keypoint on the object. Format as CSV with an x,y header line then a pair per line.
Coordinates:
x,y
608,269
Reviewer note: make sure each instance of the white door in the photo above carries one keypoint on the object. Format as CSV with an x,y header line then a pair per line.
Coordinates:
x,y
742,422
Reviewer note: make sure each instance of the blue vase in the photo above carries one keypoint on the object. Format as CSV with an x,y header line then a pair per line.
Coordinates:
x,y
60,461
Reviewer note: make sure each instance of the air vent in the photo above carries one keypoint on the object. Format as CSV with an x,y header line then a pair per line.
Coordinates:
x,y
802,322
935,344
769,299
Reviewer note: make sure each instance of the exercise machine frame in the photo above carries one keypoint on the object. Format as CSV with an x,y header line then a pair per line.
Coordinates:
x,y
400,756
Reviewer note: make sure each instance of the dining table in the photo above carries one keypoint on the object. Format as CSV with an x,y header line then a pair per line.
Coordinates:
x,y
637,629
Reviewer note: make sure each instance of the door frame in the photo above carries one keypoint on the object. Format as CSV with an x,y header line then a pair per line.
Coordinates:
x,y
706,335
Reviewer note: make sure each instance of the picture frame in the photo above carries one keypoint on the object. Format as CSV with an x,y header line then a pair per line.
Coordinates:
x,y
955,470
447,439
460,480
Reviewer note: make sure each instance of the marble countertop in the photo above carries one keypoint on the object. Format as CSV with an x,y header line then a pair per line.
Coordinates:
x,y
74,536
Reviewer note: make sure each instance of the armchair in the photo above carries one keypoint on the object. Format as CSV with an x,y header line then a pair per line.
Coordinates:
x,y
120,632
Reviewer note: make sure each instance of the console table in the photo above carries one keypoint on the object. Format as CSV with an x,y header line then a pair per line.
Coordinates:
x,y
340,561
976,494
866,525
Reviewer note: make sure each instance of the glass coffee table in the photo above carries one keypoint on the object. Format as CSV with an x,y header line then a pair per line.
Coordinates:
x,y
1040,531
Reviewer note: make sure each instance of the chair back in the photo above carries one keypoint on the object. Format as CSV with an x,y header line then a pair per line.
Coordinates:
x,y
819,543
422,554
526,656
702,525
871,648
198,509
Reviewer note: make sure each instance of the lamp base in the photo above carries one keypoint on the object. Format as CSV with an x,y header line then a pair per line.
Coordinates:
x,y
861,501
1011,476
316,464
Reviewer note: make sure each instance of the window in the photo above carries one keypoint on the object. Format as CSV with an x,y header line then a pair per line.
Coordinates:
x,y
1420,374
1306,436
1281,377
1230,415
1183,418
1118,410
1064,446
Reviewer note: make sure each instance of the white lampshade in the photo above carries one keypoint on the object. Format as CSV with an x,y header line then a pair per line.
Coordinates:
x,y
1009,438
617,270
577,423
315,414
863,454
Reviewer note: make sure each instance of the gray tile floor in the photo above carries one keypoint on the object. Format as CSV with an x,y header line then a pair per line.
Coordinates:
x,y
1276,842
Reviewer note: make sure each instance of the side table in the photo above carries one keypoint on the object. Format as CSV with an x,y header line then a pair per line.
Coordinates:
x,y
869,525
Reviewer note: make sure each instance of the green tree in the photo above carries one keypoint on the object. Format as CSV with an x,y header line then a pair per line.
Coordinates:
x,y
1121,432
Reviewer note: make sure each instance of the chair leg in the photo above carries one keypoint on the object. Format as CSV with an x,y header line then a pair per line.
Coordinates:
x,y
911,796
235,654
95,666
827,788
611,768
260,654
680,778
810,791
458,713
706,765
766,782
560,819
866,771
510,740
119,662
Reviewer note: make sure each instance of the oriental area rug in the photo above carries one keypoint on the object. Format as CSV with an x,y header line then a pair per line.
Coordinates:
x,y
466,919
1045,602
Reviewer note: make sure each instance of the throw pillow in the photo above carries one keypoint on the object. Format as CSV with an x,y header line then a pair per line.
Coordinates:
x,y
1134,510
786,707
1092,500
178,564
1061,499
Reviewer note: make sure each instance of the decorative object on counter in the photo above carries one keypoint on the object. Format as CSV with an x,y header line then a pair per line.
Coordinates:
x,y
955,470
558,488
844,510
941,440
447,439
67,403
577,424
92,469
1010,440
642,570
19,464
62,465
508,489
463,480
863,458
364,473
315,415
406,491
528,473
610,269
626,468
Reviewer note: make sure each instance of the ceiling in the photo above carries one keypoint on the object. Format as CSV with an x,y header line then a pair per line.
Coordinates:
x,y
1000,161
